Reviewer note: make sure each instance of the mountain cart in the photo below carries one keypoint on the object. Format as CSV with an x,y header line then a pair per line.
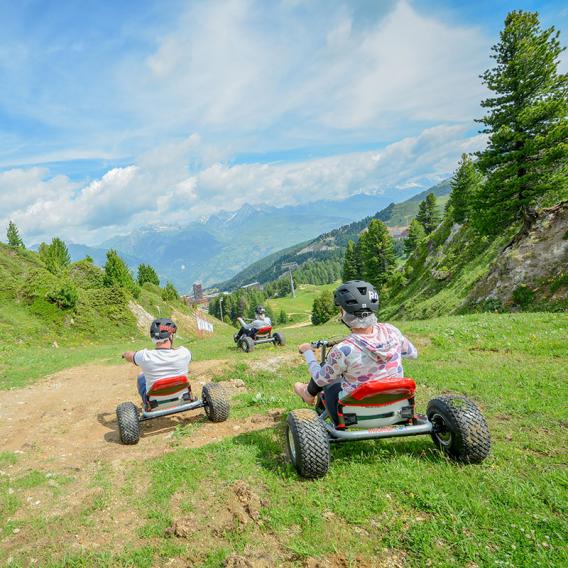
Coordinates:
x,y
170,396
250,337
384,409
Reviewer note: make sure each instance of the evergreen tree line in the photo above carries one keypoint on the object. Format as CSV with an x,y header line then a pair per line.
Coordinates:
x,y
57,260
242,303
524,166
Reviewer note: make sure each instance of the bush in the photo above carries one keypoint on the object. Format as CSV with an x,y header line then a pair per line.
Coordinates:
x,y
169,293
324,308
86,275
64,297
523,296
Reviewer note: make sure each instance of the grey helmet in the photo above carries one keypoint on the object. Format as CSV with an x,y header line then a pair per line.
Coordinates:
x,y
357,297
260,311
162,329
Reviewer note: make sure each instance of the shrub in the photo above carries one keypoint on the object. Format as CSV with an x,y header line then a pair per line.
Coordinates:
x,y
324,308
64,297
169,293
523,296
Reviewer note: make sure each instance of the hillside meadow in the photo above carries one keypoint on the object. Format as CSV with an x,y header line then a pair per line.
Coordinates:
x,y
384,503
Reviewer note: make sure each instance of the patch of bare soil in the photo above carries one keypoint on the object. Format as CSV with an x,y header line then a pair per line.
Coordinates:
x,y
65,427
390,558
220,511
272,364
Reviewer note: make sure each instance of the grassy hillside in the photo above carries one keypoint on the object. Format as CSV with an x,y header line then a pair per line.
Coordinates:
x,y
456,270
397,502
39,330
331,245
299,309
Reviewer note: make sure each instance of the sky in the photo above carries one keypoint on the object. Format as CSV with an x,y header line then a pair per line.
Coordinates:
x,y
116,115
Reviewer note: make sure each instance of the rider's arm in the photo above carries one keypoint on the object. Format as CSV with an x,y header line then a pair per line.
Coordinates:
x,y
407,350
331,371
129,356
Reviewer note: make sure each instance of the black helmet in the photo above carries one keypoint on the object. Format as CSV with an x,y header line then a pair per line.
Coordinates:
x,y
260,310
162,329
357,297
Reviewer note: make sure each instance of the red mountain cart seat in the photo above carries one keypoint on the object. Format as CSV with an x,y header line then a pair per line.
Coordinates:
x,y
264,331
169,391
380,392
377,403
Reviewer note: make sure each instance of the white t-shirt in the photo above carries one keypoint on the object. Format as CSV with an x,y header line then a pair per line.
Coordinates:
x,y
261,322
162,363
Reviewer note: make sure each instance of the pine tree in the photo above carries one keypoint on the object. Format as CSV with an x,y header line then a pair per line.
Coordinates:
x,y
117,273
13,235
56,256
378,253
323,308
282,316
465,183
359,259
526,158
169,293
146,273
415,234
429,213
351,263
43,252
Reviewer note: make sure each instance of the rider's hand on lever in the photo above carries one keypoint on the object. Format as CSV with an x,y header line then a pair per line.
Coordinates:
x,y
304,347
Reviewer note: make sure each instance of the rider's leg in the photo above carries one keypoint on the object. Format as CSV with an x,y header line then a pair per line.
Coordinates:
x,y
142,388
331,394
307,392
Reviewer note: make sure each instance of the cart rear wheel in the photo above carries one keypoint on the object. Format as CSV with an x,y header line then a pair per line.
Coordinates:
x,y
460,430
247,344
279,338
216,404
307,443
128,423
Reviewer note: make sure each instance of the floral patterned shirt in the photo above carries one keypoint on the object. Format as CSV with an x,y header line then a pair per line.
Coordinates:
x,y
360,358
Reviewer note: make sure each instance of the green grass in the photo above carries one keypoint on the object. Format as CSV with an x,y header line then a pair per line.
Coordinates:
x,y
381,499
299,309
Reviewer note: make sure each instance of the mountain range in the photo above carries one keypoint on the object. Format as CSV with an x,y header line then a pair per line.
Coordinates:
x,y
216,248
331,244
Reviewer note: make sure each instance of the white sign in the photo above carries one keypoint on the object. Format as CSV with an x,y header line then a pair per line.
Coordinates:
x,y
204,325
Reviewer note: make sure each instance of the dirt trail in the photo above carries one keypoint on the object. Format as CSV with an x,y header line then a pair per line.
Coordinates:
x,y
69,419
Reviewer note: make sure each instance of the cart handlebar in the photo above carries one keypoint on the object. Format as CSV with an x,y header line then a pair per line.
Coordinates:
x,y
326,342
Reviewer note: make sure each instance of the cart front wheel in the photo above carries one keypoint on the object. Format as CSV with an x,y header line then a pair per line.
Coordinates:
x,y
307,443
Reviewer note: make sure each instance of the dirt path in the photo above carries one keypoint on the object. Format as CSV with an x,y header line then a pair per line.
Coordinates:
x,y
69,419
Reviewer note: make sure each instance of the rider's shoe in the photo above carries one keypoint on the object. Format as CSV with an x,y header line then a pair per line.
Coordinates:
x,y
301,389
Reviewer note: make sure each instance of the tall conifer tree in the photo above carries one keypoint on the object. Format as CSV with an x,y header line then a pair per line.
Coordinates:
x,y
377,253
415,234
429,213
465,183
13,235
526,159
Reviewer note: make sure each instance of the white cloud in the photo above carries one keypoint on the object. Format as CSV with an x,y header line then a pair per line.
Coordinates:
x,y
239,77
125,198
240,68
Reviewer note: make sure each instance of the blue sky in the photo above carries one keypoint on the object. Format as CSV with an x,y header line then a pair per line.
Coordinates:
x,y
119,114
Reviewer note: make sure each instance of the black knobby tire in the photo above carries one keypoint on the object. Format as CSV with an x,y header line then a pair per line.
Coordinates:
x,y
279,338
460,429
307,443
216,404
247,344
128,423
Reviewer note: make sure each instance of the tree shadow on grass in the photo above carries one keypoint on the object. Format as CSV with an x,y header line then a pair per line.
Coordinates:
x,y
148,428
